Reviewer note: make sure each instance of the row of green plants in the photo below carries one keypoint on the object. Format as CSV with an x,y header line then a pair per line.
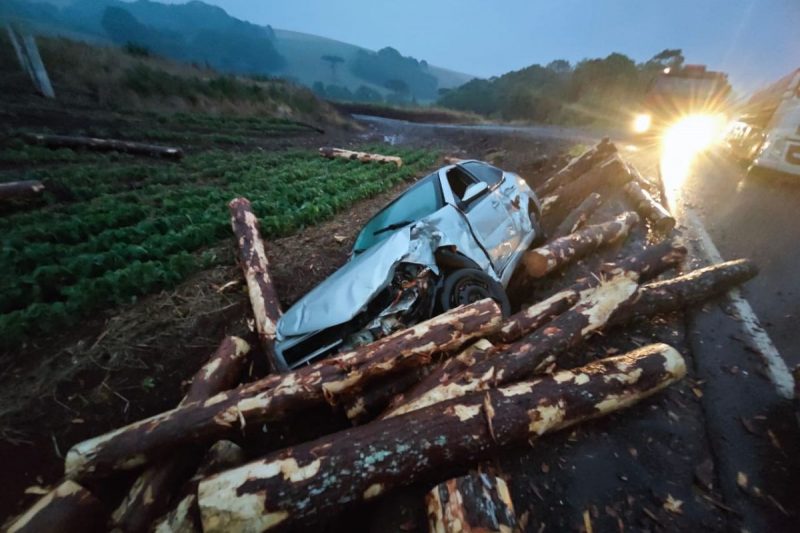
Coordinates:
x,y
136,228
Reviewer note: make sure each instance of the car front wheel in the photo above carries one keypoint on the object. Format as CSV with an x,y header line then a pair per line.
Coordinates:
x,y
469,285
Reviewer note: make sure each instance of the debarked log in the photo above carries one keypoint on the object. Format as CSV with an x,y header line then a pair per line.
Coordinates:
x,y
478,502
20,189
649,208
313,481
68,508
331,153
278,396
612,173
577,166
151,492
578,217
556,254
103,145
260,288
532,353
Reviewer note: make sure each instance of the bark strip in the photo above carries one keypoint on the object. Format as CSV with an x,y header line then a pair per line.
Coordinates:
x,y
68,508
153,489
103,145
331,153
278,396
314,481
645,205
260,288
578,217
578,166
20,189
476,502
559,253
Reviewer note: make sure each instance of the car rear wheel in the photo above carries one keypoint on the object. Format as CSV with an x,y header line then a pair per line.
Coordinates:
x,y
469,285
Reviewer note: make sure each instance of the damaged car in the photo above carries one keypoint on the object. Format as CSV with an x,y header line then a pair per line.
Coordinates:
x,y
453,238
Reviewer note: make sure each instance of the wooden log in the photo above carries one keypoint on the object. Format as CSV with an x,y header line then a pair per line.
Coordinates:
x,y
255,265
150,494
68,508
313,481
674,294
367,404
331,153
577,166
612,173
477,502
646,206
532,353
103,145
578,217
561,252
20,189
644,265
185,516
278,396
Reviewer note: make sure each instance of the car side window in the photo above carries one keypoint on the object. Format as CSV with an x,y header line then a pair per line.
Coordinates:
x,y
486,173
459,181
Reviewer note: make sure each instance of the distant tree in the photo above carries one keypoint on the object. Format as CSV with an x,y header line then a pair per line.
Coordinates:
x,y
338,92
399,88
319,89
669,57
367,94
443,91
388,64
333,61
559,66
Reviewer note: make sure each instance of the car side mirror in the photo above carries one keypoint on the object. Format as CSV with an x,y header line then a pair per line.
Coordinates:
x,y
474,190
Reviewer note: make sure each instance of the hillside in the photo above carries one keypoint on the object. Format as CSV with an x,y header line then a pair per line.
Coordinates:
x,y
204,34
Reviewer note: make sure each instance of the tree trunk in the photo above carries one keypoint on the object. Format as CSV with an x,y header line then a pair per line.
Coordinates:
x,y
578,217
612,173
367,404
364,157
185,516
20,189
645,205
68,508
152,491
674,294
255,265
644,265
530,354
313,481
278,396
104,145
578,166
476,502
561,252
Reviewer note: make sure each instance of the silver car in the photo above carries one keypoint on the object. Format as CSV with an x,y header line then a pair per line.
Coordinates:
x,y
453,238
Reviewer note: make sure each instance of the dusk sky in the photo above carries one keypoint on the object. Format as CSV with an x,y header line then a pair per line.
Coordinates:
x,y
755,41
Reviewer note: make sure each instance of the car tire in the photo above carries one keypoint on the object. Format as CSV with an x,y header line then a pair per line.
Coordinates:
x,y
468,285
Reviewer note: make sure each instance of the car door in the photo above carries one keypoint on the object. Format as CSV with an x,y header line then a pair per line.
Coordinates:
x,y
487,215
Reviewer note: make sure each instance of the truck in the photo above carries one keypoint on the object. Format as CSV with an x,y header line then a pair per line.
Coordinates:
x,y
766,136
680,92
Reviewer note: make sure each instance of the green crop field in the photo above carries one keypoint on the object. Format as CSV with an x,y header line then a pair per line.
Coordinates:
x,y
113,228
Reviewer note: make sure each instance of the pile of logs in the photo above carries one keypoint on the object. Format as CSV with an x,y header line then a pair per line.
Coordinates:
x,y
444,394
331,153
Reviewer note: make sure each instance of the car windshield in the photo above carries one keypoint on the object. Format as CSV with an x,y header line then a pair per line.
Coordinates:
x,y
486,173
418,202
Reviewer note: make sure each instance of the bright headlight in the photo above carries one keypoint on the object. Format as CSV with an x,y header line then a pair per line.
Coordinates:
x,y
694,133
641,123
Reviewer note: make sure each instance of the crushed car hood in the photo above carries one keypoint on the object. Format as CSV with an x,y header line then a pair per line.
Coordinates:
x,y
348,290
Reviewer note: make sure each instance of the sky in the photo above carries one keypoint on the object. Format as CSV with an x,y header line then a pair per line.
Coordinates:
x,y
755,41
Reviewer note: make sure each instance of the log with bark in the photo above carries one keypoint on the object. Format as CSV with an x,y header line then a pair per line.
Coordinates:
x,y
313,481
612,173
68,508
278,396
255,265
578,217
103,145
185,516
556,254
331,153
478,502
151,492
365,405
20,189
644,204
578,166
